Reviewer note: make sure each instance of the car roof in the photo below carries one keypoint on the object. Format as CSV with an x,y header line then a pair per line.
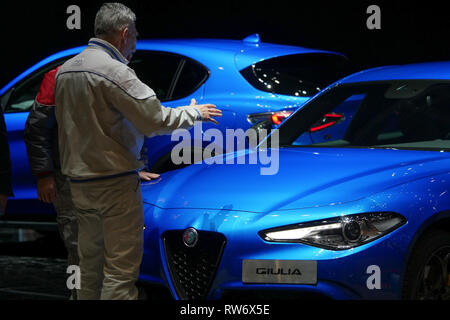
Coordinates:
x,y
210,52
244,53
416,71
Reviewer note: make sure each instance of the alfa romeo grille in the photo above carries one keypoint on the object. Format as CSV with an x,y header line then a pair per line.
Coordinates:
x,y
192,269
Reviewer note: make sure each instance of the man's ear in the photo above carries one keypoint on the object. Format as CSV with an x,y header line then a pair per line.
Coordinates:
x,y
124,33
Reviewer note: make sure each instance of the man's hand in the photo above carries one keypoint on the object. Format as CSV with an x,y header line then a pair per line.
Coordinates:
x,y
147,176
208,111
3,200
46,189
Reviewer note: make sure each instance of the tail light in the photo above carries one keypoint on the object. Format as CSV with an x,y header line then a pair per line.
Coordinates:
x,y
278,117
275,117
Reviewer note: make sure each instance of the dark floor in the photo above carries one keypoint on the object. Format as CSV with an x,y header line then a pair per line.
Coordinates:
x,y
32,266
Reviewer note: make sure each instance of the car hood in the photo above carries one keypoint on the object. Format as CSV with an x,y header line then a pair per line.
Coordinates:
x,y
306,177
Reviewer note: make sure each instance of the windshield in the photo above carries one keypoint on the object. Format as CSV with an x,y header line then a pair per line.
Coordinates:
x,y
412,114
300,75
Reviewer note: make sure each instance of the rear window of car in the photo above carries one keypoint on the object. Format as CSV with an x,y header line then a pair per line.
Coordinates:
x,y
24,92
301,75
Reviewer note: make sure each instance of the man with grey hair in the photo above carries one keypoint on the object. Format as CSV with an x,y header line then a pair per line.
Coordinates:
x,y
103,112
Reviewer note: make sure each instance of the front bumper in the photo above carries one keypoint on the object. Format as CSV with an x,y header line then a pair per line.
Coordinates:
x,y
347,274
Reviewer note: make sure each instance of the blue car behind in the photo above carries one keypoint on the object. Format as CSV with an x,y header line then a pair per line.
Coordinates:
x,y
249,80
356,210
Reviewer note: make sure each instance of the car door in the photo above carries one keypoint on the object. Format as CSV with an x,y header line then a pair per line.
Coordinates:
x,y
17,104
157,70
176,79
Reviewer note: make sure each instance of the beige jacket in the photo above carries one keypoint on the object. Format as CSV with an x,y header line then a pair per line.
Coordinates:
x,y
103,112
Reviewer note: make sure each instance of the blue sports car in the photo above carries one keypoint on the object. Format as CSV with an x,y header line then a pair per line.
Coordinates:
x,y
249,80
356,210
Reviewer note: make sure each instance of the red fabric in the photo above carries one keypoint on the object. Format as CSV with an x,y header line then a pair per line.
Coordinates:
x,y
46,95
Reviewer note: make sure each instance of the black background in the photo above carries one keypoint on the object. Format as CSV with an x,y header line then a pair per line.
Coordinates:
x,y
410,31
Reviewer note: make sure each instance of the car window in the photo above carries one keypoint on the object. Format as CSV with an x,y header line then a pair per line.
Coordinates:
x,y
192,76
300,75
333,125
24,92
157,70
409,114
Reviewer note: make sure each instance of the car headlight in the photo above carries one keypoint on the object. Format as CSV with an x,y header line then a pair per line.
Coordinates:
x,y
339,233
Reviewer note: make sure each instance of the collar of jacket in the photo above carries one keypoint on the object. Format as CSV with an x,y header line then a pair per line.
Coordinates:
x,y
108,48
